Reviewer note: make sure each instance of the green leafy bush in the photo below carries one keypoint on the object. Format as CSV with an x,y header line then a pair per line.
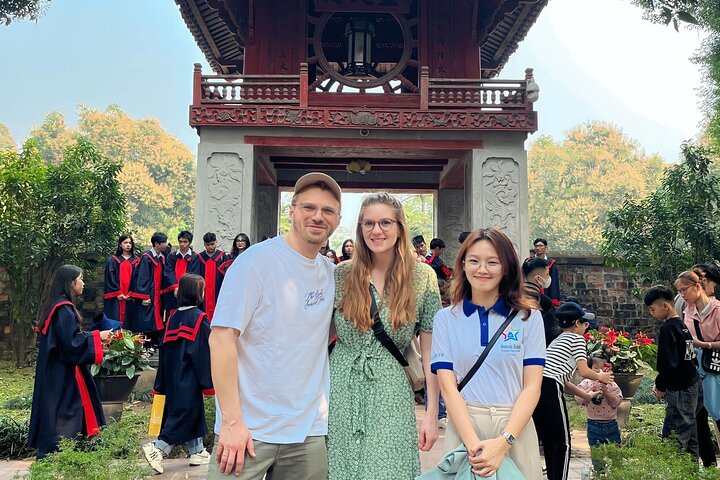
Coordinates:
x,y
644,395
113,454
644,455
14,437
18,403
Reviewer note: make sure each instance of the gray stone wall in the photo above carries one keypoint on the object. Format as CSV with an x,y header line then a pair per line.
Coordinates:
x,y
605,291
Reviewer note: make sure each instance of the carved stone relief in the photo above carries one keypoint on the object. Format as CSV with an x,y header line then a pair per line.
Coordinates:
x,y
501,196
267,214
451,220
224,196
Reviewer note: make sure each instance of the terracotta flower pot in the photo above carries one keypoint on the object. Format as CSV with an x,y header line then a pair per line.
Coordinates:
x,y
114,392
629,384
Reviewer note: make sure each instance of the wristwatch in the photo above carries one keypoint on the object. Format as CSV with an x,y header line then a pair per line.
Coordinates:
x,y
508,437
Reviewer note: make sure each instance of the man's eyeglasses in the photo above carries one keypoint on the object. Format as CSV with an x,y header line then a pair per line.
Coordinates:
x,y
385,224
311,209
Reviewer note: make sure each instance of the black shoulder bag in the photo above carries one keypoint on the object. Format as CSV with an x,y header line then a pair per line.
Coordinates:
x,y
710,356
485,352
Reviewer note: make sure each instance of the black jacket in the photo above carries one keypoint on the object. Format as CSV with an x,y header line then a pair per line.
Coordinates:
x,y
552,329
675,364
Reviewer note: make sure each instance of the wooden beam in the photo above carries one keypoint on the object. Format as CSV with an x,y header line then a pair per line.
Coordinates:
x,y
375,168
374,161
203,27
268,141
510,37
402,187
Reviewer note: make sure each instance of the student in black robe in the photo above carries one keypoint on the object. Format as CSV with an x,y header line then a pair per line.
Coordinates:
x,y
65,400
207,264
183,376
437,246
240,244
150,284
119,275
176,265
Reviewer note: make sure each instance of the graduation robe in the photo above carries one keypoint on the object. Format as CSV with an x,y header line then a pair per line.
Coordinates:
x,y
119,276
183,376
442,271
65,399
208,268
151,283
176,265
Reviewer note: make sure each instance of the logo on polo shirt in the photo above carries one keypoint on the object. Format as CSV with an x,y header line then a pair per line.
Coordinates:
x,y
511,341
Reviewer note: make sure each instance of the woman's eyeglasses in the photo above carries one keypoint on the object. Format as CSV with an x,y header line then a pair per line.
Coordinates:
x,y
385,224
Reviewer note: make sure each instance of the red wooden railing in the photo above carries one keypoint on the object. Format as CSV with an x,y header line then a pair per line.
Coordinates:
x,y
434,93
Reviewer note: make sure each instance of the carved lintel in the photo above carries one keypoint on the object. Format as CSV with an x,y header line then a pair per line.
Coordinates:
x,y
292,116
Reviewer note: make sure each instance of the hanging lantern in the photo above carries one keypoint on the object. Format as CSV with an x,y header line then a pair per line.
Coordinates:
x,y
359,33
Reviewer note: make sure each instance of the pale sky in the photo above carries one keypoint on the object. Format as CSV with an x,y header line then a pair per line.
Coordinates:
x,y
593,60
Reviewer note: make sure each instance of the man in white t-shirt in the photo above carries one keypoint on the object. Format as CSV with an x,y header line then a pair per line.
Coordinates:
x,y
269,347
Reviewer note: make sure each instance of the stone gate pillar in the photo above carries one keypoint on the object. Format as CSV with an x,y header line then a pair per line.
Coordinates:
x,y
450,220
225,200
496,189
268,198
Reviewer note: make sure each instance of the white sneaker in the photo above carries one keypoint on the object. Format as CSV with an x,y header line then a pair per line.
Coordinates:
x,y
154,456
442,423
202,458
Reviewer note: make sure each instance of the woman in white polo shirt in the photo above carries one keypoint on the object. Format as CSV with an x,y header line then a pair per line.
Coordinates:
x,y
492,414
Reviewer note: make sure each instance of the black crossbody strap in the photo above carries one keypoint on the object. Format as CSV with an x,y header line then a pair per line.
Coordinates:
x,y
697,330
485,352
382,336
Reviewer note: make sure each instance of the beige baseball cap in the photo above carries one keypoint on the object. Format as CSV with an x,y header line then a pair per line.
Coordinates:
x,y
317,177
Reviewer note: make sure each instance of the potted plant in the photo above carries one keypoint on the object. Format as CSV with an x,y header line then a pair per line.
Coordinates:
x,y
124,356
628,355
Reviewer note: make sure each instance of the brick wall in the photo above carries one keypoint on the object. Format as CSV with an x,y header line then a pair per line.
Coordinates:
x,y
605,291
91,304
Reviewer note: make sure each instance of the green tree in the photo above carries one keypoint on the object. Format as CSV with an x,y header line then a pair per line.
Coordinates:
x,y
675,227
573,182
158,171
6,140
419,213
52,214
21,9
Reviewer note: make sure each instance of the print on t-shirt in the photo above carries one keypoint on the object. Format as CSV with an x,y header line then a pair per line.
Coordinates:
x,y
313,298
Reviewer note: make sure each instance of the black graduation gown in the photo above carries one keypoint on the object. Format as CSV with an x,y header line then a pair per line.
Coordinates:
x,y
119,277
183,376
175,267
65,400
151,283
208,268
554,292
441,270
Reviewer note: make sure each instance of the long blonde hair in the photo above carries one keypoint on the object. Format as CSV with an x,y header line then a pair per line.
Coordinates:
x,y
355,302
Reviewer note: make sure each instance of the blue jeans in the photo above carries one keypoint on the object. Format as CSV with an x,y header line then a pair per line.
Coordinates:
x,y
442,412
599,432
193,446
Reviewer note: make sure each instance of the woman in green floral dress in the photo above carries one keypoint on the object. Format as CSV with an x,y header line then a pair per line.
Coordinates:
x,y
372,433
